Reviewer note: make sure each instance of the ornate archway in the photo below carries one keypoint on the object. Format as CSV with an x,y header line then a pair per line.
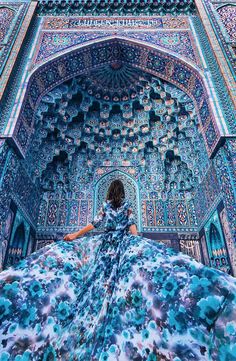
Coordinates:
x,y
105,52
126,120
131,191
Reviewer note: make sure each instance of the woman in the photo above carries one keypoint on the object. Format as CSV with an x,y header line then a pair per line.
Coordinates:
x,y
115,296
116,221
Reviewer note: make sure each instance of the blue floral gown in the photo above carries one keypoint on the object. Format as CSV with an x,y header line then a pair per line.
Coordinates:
x,y
115,296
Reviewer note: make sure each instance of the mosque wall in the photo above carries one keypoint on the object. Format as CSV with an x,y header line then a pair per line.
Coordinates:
x,y
56,187
219,18
217,248
225,161
19,205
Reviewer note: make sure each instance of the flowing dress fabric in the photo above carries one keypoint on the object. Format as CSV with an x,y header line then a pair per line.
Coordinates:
x,y
115,296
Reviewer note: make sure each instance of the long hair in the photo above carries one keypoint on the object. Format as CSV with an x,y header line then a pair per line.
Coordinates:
x,y
116,193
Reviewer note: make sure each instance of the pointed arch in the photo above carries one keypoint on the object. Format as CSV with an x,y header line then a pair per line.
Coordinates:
x,y
19,236
215,238
125,37
16,245
131,191
147,58
220,6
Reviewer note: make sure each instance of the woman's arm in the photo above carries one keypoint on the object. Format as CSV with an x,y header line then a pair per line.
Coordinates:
x,y
133,230
72,236
94,224
131,223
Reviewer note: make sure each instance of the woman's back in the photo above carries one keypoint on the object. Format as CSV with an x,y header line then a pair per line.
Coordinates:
x,y
115,218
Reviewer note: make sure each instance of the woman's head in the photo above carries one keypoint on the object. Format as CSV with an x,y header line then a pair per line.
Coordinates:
x,y
116,193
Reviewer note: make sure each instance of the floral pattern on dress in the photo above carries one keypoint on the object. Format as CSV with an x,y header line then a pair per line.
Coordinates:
x,y
114,219
115,296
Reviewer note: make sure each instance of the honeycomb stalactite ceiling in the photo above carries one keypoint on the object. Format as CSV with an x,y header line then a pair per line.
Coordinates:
x,y
115,82
123,7
117,116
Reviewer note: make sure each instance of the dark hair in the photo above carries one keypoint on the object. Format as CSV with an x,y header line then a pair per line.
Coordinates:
x,y
116,193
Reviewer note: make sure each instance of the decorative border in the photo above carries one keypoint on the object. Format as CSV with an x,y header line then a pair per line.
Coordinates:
x,y
217,83
83,37
15,50
213,39
115,23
